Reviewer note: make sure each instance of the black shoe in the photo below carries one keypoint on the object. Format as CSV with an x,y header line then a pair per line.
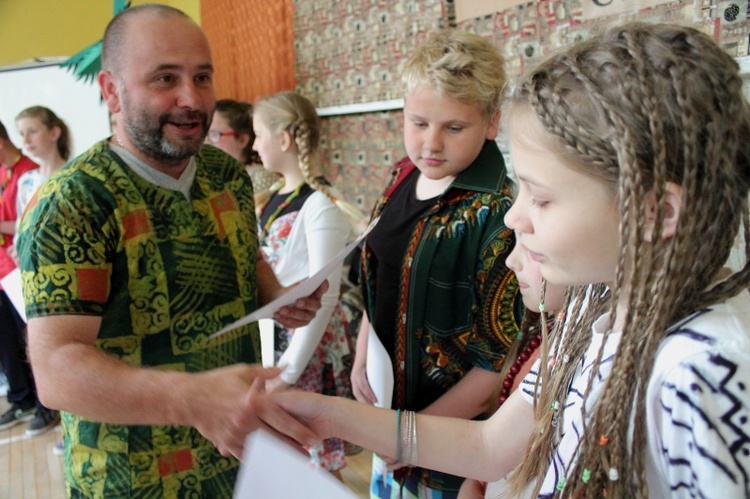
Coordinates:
x,y
16,415
45,419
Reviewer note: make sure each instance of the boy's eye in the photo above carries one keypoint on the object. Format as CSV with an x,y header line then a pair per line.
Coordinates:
x,y
455,128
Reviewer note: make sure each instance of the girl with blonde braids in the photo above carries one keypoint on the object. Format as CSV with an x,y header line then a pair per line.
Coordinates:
x,y
632,154
303,225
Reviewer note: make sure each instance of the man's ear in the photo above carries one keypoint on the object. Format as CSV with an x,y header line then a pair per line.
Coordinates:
x,y
287,142
672,207
110,92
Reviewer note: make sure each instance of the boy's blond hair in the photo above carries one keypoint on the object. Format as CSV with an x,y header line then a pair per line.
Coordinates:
x,y
461,66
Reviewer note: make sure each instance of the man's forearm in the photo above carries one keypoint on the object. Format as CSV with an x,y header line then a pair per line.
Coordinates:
x,y
84,380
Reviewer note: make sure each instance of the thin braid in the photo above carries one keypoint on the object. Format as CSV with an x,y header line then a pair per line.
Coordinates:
x,y
613,455
302,139
553,380
300,130
294,113
609,424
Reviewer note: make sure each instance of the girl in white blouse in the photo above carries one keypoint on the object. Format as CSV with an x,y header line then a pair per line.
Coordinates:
x,y
303,225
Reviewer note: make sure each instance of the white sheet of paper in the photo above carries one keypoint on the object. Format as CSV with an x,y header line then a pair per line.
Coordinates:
x,y
267,466
379,370
301,290
267,341
14,289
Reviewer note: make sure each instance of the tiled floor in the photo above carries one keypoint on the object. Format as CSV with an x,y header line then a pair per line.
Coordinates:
x,y
30,470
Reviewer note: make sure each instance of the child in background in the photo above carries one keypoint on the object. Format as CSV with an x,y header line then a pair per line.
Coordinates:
x,y
633,162
437,290
232,132
303,226
547,299
21,390
47,139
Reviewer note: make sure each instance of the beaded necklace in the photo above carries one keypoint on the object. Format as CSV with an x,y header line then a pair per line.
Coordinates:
x,y
525,355
276,214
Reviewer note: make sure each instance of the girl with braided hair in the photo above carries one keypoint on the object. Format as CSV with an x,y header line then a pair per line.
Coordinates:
x,y
542,302
303,225
632,154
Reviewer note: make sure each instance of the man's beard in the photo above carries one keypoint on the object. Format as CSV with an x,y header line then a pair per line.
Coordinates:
x,y
149,138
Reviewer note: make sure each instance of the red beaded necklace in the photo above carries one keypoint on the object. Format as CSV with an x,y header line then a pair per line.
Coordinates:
x,y
517,365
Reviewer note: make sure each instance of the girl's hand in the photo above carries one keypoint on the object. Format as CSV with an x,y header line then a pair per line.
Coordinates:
x,y
229,402
301,312
310,409
361,386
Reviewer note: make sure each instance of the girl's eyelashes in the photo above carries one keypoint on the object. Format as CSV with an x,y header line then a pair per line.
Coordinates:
x,y
539,202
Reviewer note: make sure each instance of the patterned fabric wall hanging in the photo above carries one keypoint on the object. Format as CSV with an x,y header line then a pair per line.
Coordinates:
x,y
345,53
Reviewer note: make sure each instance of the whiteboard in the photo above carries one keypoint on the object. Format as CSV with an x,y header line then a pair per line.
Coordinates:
x,y
47,84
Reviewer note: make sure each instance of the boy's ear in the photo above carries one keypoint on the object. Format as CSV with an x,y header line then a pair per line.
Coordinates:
x,y
493,127
672,206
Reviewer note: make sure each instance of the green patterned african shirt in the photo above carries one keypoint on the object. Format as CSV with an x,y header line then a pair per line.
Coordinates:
x,y
458,303
164,273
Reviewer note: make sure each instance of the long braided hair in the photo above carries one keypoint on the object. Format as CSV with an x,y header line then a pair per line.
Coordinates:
x,y
294,113
638,106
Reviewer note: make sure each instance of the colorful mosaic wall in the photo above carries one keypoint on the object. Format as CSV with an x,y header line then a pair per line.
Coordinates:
x,y
531,31
358,151
351,52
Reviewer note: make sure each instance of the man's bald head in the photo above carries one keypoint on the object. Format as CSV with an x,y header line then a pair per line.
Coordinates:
x,y
113,44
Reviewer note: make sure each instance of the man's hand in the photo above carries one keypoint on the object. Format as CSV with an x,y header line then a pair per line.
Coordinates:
x,y
302,311
230,403
276,384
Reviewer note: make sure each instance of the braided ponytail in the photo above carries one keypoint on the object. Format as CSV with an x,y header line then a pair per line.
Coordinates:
x,y
294,113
